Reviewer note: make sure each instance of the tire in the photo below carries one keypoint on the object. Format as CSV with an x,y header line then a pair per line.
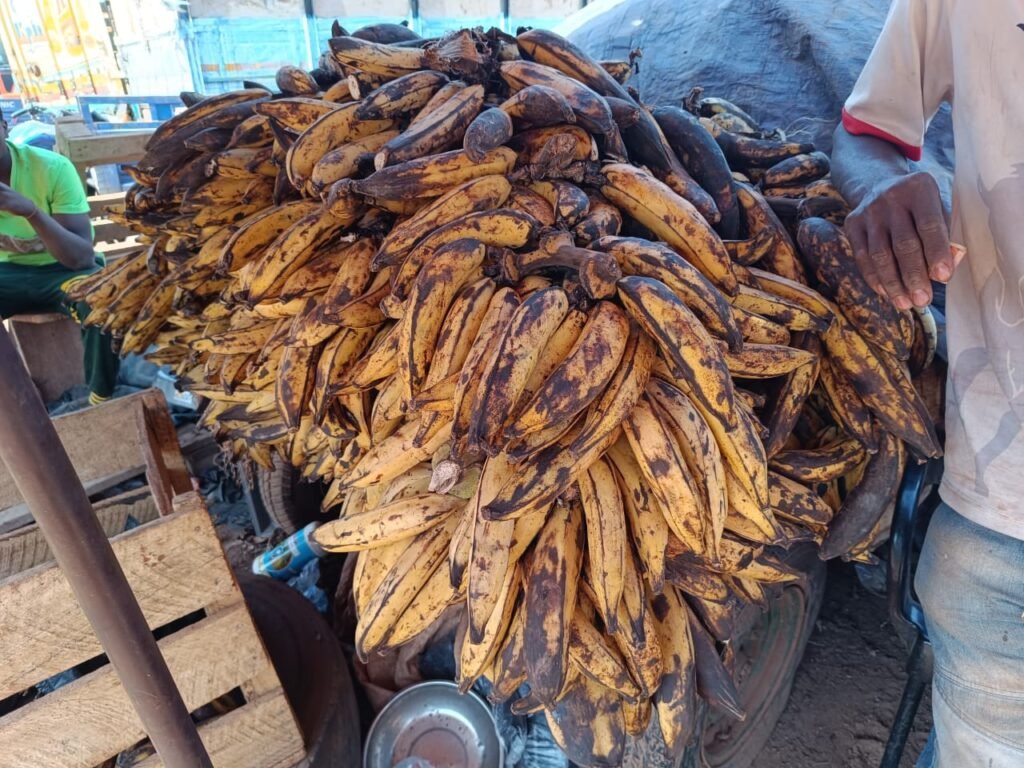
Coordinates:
x,y
312,669
768,654
768,646
281,496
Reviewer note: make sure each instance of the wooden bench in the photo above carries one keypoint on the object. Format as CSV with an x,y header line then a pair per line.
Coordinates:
x,y
177,570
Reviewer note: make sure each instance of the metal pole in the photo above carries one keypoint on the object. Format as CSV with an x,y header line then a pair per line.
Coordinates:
x,y
34,456
919,673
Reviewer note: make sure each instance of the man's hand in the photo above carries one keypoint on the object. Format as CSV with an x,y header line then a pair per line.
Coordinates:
x,y
900,239
15,203
67,237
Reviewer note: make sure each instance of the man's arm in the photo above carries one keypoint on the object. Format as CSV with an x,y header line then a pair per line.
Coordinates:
x,y
66,236
898,226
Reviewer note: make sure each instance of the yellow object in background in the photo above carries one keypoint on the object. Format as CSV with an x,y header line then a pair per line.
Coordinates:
x,y
59,49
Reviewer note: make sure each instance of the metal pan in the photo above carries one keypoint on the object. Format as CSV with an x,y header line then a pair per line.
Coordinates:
x,y
432,724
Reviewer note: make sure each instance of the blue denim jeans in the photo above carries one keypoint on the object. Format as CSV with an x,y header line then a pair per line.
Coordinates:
x,y
971,583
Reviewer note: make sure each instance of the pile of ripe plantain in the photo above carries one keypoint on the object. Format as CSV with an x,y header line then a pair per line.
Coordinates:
x,y
562,364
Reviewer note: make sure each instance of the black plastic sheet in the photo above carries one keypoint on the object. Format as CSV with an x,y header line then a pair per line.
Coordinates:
x,y
789,63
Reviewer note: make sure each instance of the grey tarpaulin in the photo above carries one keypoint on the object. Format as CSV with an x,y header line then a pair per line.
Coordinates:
x,y
789,63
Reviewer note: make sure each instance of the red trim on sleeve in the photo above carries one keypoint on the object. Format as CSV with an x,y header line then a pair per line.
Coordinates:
x,y
860,128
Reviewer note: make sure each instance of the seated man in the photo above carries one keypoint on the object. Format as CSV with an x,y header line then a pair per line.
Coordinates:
x,y
46,245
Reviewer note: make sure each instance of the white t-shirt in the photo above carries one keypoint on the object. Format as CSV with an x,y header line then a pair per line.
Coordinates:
x,y
970,54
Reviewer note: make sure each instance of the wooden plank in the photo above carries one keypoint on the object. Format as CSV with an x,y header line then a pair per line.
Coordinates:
x,y
165,466
26,547
91,719
52,352
120,248
261,734
140,499
98,204
174,565
114,512
18,516
100,441
85,149
260,684
37,318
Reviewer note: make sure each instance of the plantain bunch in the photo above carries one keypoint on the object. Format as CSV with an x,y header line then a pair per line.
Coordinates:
x,y
563,365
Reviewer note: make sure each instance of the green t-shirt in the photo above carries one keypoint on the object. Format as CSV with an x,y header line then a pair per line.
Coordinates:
x,y
52,183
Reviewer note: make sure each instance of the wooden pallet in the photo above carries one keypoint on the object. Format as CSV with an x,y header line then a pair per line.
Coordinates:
x,y
176,567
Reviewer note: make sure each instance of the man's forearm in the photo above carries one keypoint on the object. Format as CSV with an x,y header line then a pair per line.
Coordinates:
x,y
71,250
861,163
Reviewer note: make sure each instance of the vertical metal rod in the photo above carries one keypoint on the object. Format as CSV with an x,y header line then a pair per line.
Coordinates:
x,y
919,673
36,460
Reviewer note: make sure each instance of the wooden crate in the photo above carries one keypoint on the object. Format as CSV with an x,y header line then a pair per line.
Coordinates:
x,y
26,548
176,567
109,444
50,345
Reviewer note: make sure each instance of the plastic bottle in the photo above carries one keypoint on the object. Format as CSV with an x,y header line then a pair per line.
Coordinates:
x,y
289,557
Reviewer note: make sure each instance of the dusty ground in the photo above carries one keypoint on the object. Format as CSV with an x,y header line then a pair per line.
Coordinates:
x,y
847,689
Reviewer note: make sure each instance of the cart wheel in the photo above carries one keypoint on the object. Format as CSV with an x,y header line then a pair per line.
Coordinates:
x,y
281,496
312,670
769,646
767,657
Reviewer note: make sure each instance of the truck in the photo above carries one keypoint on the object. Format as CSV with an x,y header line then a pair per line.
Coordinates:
x,y
229,41
54,50
9,96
